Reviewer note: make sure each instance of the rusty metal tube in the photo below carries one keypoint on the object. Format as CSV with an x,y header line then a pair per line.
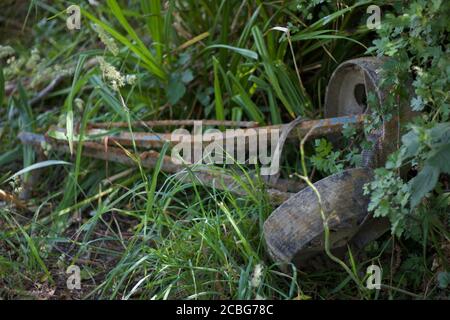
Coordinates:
x,y
156,140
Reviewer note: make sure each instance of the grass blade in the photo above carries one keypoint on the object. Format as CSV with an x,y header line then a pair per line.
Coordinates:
x,y
244,100
39,165
141,51
243,52
220,114
2,86
152,9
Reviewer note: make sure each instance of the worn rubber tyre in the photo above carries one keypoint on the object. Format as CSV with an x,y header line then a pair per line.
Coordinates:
x,y
294,231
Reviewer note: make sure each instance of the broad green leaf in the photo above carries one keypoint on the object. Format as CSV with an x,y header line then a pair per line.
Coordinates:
x,y
423,183
441,159
411,142
175,90
440,134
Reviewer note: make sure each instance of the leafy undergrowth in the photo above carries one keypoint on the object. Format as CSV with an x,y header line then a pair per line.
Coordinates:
x,y
146,234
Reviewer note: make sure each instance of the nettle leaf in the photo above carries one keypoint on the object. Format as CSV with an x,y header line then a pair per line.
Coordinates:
x,y
411,143
423,183
446,109
187,76
440,134
438,159
441,159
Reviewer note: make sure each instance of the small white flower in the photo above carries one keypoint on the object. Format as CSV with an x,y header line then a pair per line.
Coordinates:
x,y
109,42
131,79
11,60
257,275
6,51
111,74
33,62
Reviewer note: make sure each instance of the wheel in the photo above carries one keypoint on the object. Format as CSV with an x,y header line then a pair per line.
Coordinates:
x,y
346,94
294,231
